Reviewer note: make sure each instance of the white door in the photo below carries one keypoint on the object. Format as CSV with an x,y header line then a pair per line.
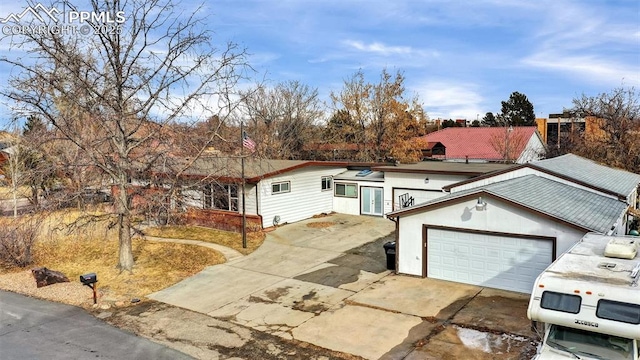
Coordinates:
x,y
503,262
371,201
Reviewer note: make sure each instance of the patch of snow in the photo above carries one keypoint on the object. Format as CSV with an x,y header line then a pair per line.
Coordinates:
x,y
488,342
474,339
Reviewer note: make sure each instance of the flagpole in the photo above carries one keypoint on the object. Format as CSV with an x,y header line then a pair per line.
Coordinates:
x,y
244,212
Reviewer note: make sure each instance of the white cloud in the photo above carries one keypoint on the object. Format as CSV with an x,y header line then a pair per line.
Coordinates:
x,y
382,49
587,68
378,48
571,40
451,100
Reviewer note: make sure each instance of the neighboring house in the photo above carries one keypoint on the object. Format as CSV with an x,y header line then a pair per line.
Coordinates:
x,y
5,154
503,228
488,144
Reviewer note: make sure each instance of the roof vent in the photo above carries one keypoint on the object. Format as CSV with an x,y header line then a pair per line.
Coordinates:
x,y
621,248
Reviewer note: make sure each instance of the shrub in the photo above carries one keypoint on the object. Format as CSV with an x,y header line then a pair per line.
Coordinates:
x,y
17,240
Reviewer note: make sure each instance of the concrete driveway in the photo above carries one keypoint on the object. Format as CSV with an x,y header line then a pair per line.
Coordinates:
x,y
323,281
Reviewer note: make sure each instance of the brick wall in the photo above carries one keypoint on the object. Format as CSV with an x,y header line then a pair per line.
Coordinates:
x,y
218,219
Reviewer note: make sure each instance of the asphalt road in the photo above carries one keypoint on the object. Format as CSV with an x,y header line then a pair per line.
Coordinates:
x,y
36,329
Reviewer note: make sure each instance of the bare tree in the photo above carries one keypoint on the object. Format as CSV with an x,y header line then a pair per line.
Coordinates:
x,y
15,170
114,93
282,118
509,143
354,100
612,135
387,121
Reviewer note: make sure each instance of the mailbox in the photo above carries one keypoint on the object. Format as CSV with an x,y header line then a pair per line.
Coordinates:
x,y
88,279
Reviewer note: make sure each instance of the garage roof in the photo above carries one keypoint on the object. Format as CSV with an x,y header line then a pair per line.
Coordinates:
x,y
578,170
588,171
571,205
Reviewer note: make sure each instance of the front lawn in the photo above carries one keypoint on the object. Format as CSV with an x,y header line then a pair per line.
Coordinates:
x,y
93,247
225,238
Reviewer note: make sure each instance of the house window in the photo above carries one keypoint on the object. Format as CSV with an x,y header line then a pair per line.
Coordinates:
x,y
326,183
281,187
346,190
221,197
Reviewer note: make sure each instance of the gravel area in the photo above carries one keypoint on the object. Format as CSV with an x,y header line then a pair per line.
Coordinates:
x,y
72,293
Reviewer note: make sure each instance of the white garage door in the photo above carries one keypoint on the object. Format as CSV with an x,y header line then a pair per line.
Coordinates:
x,y
502,262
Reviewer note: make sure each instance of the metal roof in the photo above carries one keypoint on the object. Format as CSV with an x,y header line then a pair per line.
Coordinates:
x,y
615,180
567,203
478,142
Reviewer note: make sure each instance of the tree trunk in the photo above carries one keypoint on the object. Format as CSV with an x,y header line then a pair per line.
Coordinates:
x,y
125,257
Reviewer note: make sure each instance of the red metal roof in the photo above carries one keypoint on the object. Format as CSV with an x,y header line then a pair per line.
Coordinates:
x,y
481,142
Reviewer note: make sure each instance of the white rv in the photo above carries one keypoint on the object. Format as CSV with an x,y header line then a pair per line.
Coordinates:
x,y
588,301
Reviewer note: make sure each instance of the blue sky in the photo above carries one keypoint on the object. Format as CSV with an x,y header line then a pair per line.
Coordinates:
x,y
462,58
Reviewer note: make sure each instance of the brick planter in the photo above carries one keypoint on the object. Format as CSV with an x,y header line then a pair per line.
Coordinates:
x,y
218,219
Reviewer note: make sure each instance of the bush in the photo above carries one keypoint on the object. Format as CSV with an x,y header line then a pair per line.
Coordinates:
x,y
17,240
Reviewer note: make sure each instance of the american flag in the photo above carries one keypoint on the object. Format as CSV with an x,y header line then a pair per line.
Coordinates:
x,y
247,142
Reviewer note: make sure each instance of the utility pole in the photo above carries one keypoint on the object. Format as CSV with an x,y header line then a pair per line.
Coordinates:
x,y
244,212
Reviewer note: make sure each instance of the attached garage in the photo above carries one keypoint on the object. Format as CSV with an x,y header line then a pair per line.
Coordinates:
x,y
502,235
502,261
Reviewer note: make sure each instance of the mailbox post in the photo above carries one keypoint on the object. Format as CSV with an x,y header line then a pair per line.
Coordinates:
x,y
90,280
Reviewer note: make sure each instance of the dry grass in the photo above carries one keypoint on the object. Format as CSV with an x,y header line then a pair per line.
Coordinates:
x,y
93,247
320,224
225,238
6,192
158,265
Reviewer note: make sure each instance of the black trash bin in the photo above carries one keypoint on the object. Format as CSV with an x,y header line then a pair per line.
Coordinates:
x,y
390,250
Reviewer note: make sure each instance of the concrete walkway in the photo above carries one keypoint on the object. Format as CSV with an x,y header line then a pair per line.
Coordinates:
x,y
229,253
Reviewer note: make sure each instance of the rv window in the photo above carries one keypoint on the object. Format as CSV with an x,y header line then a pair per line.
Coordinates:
x,y
561,302
618,311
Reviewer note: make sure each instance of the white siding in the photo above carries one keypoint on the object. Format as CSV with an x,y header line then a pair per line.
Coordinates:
x,y
533,151
305,199
496,178
419,196
250,198
402,182
351,206
497,217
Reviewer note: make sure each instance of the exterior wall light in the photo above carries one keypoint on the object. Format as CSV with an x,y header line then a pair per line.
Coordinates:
x,y
481,205
426,180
